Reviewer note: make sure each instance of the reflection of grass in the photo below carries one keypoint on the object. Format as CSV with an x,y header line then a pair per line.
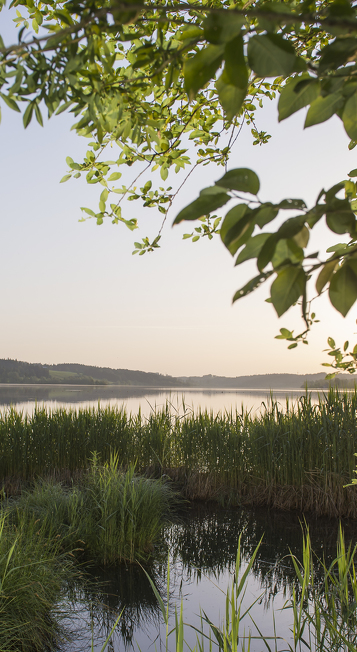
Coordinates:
x,y
112,515
323,614
298,457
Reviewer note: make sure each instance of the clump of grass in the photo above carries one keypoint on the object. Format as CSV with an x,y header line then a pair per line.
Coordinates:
x,y
122,513
33,576
112,515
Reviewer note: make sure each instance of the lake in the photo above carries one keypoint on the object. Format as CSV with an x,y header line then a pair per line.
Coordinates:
x,y
147,399
201,547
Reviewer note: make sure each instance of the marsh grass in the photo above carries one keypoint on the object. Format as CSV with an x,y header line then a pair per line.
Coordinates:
x,y
34,574
295,456
111,515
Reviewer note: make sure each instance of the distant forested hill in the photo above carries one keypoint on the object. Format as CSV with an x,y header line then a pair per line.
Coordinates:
x,y
265,381
15,371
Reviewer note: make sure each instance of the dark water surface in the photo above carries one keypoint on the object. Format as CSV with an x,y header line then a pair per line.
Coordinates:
x,y
201,547
147,399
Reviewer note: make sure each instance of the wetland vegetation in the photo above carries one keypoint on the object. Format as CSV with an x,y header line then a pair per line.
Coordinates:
x,y
293,456
99,485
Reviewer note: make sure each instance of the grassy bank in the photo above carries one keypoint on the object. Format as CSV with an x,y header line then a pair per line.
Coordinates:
x,y
297,456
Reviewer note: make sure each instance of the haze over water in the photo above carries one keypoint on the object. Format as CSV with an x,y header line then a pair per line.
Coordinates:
x,y
147,399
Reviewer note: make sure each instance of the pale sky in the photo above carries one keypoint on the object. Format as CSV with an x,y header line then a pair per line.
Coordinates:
x,y
73,292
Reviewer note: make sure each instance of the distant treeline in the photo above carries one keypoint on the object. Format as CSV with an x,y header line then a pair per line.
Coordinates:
x,y
342,382
15,371
263,381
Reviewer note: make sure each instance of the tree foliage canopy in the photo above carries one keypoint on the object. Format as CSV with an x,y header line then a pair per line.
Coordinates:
x,y
170,83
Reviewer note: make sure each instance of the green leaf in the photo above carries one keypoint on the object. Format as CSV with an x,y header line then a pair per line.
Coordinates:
x,y
284,334
10,102
115,176
331,343
288,286
349,117
199,69
252,248
270,55
65,178
240,233
230,97
88,211
285,252
104,195
336,54
241,179
266,214
237,227
232,218
189,32
343,289
63,107
267,252
164,173
252,285
353,173
205,204
323,108
38,115
341,221
296,94
222,27
235,66
28,114
289,204
302,237
291,227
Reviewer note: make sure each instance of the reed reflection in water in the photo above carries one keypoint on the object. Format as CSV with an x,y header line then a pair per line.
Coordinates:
x,y
201,546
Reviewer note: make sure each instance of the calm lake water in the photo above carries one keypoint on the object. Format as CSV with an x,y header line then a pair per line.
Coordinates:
x,y
202,548
147,399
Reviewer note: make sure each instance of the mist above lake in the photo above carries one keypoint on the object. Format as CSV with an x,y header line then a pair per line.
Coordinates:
x,y
147,399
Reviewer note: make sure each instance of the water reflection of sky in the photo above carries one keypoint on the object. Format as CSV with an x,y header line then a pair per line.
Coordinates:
x,y
26,397
202,549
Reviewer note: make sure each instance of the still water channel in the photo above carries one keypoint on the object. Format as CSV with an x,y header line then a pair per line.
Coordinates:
x,y
201,544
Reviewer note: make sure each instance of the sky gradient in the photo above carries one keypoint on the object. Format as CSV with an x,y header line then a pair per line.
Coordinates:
x,y
73,292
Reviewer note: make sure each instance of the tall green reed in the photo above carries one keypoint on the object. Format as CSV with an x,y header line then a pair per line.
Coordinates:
x,y
298,455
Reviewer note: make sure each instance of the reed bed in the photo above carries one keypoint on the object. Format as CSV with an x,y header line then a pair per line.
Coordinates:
x,y
296,456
